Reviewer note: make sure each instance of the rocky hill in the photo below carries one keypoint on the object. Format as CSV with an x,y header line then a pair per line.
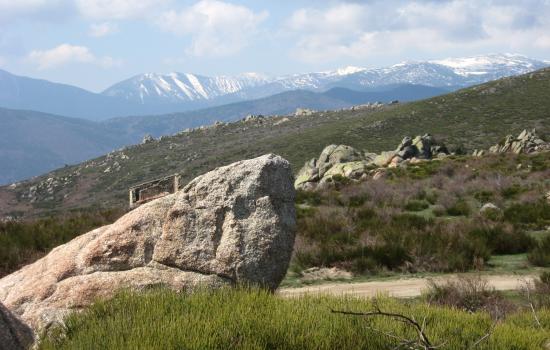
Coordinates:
x,y
473,118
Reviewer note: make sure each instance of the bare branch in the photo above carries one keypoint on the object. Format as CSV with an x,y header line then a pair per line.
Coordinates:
x,y
423,338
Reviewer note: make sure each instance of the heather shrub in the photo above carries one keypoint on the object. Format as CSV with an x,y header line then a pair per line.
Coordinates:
x,y
530,214
459,208
469,294
416,205
540,255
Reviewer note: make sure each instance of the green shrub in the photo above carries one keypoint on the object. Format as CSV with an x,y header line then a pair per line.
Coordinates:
x,y
312,198
357,201
503,240
484,196
460,208
416,205
540,255
534,215
512,191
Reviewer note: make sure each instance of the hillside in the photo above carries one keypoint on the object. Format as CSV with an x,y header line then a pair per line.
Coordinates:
x,y
32,143
284,103
17,92
476,117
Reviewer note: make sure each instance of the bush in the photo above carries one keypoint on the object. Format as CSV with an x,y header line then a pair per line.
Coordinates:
x,y
512,191
533,215
312,198
460,208
540,255
469,294
503,239
416,205
484,196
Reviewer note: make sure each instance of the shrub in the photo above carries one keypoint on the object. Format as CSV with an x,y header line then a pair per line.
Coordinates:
x,y
357,201
540,255
503,239
512,191
484,196
534,214
416,205
460,208
470,294
312,198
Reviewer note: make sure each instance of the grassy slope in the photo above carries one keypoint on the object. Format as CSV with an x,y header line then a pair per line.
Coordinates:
x,y
258,320
475,118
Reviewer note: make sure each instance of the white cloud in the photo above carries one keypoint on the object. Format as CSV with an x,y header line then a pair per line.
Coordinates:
x,y
388,28
66,53
117,9
98,30
216,28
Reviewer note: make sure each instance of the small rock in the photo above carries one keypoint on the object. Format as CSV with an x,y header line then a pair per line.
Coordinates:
x,y
147,139
488,206
324,273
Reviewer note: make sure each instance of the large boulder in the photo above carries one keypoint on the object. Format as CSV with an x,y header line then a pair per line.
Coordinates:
x,y
14,334
233,225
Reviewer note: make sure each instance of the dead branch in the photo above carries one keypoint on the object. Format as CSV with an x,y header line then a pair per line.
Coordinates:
x,y
423,340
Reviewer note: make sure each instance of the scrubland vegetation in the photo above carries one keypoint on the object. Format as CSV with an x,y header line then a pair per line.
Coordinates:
x,y
23,242
428,217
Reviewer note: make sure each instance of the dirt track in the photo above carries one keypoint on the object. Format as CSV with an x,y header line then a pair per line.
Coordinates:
x,y
402,288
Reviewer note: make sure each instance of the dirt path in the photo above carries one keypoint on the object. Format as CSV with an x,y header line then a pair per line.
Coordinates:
x,y
402,288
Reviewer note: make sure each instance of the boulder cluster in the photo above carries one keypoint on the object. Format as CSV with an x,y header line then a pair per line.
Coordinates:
x,y
233,225
526,142
347,162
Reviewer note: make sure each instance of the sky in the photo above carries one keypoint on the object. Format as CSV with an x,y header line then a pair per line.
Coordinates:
x,y
96,43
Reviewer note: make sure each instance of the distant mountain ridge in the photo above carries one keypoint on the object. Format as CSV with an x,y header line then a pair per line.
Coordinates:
x,y
151,93
449,73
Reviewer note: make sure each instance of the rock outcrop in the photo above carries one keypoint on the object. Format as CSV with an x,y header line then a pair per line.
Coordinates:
x,y
345,161
420,147
334,160
526,142
235,224
14,334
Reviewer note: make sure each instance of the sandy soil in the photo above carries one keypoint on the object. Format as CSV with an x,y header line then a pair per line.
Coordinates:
x,y
402,288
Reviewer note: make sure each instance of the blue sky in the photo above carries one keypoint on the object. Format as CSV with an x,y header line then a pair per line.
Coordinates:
x,y
95,43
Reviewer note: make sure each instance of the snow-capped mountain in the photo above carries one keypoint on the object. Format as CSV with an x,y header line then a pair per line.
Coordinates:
x,y
180,87
450,73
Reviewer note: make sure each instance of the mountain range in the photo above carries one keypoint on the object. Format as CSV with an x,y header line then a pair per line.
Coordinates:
x,y
153,93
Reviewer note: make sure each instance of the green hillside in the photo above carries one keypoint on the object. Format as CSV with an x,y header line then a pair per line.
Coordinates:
x,y
472,118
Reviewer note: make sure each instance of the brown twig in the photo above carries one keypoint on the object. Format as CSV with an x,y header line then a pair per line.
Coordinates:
x,y
423,338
